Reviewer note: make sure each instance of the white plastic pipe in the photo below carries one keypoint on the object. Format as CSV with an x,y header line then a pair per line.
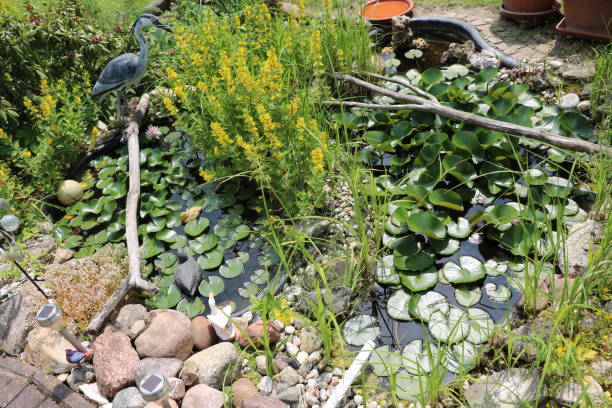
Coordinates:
x,y
350,375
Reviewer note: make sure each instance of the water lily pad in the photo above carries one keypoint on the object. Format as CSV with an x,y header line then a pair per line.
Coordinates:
x,y
166,260
360,329
455,71
481,326
386,273
495,268
409,387
166,298
213,284
498,293
460,229
166,235
191,309
467,295
412,54
409,256
179,242
419,281
461,357
427,224
250,289
197,226
420,357
151,248
558,187
232,268
384,362
535,177
211,259
259,277
446,198
428,303
116,190
469,270
398,305
446,246
450,327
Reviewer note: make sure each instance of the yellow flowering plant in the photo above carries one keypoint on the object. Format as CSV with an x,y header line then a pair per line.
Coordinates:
x,y
246,86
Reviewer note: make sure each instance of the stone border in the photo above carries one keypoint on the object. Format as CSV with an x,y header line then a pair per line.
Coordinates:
x,y
27,384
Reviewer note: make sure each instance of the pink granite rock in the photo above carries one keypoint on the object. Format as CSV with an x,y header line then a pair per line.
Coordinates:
x,y
177,388
114,362
259,401
203,333
203,396
168,335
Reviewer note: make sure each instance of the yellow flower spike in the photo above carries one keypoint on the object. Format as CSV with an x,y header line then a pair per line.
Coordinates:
x,y
206,175
3,134
27,154
220,134
317,159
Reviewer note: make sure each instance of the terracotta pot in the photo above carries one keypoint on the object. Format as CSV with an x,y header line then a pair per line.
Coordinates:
x,y
382,11
531,6
593,17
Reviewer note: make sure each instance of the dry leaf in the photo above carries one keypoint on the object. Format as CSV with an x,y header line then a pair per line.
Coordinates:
x,y
190,214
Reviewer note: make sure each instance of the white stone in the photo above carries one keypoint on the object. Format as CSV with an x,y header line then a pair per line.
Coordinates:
x,y
569,101
555,63
302,357
265,385
572,392
292,349
92,392
296,340
337,371
312,383
289,329
315,357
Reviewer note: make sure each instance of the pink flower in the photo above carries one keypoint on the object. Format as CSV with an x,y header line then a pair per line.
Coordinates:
x,y
153,131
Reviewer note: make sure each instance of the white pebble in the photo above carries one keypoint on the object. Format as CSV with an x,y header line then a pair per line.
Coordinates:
x,y
322,395
302,357
358,399
289,329
292,349
313,374
337,372
296,340
315,357
312,383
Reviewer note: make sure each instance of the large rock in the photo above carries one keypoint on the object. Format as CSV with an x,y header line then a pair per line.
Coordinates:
x,y
582,239
168,367
114,362
81,374
511,388
572,393
255,335
211,366
242,390
259,401
17,318
168,335
203,333
128,315
203,396
40,246
129,398
46,349
580,71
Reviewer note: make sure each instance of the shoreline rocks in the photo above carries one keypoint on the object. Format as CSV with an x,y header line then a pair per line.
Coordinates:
x,y
168,335
212,366
114,362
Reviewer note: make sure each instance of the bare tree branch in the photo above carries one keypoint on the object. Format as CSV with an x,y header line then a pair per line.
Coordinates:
x,y
425,105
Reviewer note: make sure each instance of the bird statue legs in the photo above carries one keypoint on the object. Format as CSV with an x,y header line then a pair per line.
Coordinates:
x,y
120,107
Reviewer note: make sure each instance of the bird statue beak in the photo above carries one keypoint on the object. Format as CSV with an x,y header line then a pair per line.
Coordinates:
x,y
162,26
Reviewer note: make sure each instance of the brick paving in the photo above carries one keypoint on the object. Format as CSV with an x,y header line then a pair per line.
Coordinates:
x,y
24,386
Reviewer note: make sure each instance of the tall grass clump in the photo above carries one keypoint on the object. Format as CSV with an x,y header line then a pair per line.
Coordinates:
x,y
245,86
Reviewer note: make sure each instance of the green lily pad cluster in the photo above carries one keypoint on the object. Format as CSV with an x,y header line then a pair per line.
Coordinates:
x,y
452,186
228,250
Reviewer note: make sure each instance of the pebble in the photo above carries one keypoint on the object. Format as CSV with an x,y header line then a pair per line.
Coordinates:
x,y
312,383
265,385
260,362
555,63
358,399
569,101
289,330
292,349
311,398
313,374
325,377
315,357
584,106
302,357
337,372
296,340
323,395
335,381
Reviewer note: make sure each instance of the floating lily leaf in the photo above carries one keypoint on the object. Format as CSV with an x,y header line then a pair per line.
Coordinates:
x,y
535,177
558,187
469,141
451,327
410,388
408,255
419,281
166,298
446,198
446,246
151,248
166,235
428,303
239,232
412,54
165,260
360,329
268,257
460,229
455,71
191,309
495,268
197,226
463,357
471,270
383,362
347,120
232,268
116,190
179,242
502,214
156,225
467,295
259,277
398,305
214,285
520,238
385,272
497,293
250,289
427,224
203,243
432,76
481,326
459,167
420,357
211,259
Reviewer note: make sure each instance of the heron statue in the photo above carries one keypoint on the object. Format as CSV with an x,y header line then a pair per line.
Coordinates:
x,y
127,69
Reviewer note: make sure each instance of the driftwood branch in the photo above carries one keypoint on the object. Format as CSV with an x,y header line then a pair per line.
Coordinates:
x,y
425,103
134,279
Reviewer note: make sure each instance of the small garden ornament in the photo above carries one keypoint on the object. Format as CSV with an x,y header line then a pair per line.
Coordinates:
x,y
51,316
220,319
188,274
155,388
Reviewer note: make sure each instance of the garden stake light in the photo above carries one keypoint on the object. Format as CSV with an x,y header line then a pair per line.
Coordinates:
x,y
51,316
155,388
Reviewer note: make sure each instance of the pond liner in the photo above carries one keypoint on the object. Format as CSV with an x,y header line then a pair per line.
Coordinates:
x,y
461,29
115,143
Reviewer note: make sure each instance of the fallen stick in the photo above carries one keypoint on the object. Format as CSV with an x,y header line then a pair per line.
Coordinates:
x,y
428,103
133,280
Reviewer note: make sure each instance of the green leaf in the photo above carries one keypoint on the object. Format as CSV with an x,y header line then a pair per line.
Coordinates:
x,y
192,309
232,268
398,305
385,272
503,214
179,242
116,190
446,246
469,270
535,177
360,329
412,54
467,295
165,260
497,293
419,281
166,298
383,362
487,74
420,357
427,224
432,76
446,198
449,328
203,243
197,226
73,241
428,303
156,225
469,141
481,326
166,235
211,259
151,248
459,167
379,140
573,124
214,285
239,232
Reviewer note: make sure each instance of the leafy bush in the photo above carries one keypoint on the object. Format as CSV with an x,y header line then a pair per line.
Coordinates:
x,y
246,86
82,286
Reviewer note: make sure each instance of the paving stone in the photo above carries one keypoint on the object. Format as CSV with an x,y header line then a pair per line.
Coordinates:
x,y
17,366
74,400
10,389
48,403
55,389
30,397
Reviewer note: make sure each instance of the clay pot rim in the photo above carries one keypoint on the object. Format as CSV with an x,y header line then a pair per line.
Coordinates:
x,y
409,4
584,33
528,15
552,3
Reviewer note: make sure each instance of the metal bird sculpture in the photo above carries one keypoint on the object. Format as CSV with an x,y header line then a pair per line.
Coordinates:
x,y
74,356
127,69
188,275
